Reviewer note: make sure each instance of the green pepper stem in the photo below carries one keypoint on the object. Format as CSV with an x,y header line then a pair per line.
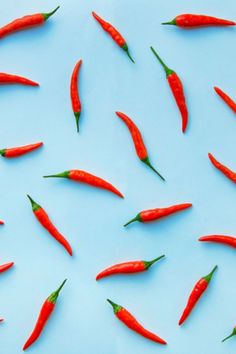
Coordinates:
x,y
53,297
3,152
137,218
230,336
168,71
77,116
116,307
173,22
148,163
49,14
126,49
59,175
35,206
209,276
148,264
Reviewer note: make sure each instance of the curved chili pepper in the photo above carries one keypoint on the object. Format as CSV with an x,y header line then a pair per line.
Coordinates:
x,y
177,90
18,151
128,267
231,335
25,23
199,288
87,178
230,103
115,35
9,79
191,20
6,266
138,142
225,170
225,240
44,315
74,94
44,220
125,317
158,213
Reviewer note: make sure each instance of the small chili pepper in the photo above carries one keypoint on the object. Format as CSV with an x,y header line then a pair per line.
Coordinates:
x,y
226,99
231,335
44,315
6,266
44,220
138,142
128,267
225,240
158,213
25,22
176,89
74,94
191,20
130,321
88,178
199,288
9,79
116,36
225,170
18,151
1,222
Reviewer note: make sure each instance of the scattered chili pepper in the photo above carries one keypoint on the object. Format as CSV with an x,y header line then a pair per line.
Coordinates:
x,y
44,315
231,335
25,23
225,170
225,240
177,90
116,36
74,94
88,178
191,20
44,220
226,99
158,213
6,266
18,151
128,267
138,142
1,222
9,79
199,288
125,317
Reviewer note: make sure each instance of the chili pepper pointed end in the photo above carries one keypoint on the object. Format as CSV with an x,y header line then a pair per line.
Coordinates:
x,y
49,14
209,276
126,49
77,116
148,163
115,306
137,218
148,264
230,336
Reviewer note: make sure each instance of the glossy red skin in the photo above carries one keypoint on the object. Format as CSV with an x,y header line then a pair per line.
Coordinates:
x,y
178,92
222,239
74,93
88,178
6,266
158,213
129,320
22,24
191,20
123,268
21,150
44,220
230,103
9,79
225,170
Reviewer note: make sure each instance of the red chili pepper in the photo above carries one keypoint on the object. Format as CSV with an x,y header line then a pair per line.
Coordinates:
x,y
18,151
116,36
1,222
88,178
125,317
231,335
44,220
177,90
225,240
9,79
158,213
225,170
199,288
74,94
138,142
128,267
44,315
25,23
6,266
226,99
190,20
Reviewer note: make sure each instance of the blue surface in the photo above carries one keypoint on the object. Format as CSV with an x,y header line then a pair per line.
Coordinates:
x,y
92,219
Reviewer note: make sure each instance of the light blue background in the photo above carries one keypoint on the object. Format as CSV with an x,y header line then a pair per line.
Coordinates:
x,y
92,219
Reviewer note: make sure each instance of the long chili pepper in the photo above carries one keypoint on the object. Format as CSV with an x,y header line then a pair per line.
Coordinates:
x,y
88,178
130,321
231,335
45,313
18,151
138,142
192,20
74,93
199,288
116,36
158,213
226,99
225,170
9,79
6,266
25,23
44,220
128,267
177,90
225,240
